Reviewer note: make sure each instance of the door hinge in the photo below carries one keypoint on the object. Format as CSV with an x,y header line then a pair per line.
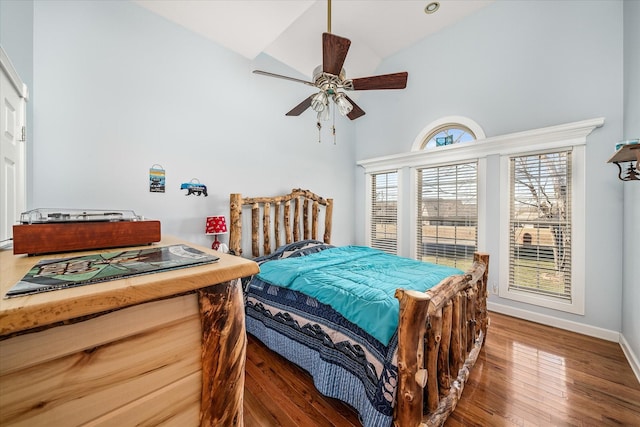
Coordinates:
x,y
23,136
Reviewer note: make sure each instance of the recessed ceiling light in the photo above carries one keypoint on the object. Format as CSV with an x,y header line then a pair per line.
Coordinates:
x,y
432,7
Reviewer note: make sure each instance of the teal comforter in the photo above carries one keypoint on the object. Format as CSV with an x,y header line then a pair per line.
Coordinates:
x,y
358,282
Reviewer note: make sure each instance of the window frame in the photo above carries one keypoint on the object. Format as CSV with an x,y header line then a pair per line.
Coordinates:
x,y
576,304
369,203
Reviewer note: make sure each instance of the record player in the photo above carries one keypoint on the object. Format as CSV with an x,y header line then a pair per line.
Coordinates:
x,y
62,230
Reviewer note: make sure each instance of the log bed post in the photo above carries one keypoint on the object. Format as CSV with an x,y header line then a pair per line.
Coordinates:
x,y
287,222
412,327
305,219
471,319
235,219
314,220
276,225
224,347
481,307
456,336
444,374
463,325
434,336
255,224
266,228
327,221
296,219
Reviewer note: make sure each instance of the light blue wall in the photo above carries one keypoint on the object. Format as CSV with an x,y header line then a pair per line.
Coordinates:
x,y
16,38
16,35
120,89
515,66
631,273
116,89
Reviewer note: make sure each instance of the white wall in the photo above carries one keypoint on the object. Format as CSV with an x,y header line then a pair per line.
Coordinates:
x,y
515,66
631,251
119,89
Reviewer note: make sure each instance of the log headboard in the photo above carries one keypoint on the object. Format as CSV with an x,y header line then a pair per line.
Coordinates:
x,y
301,224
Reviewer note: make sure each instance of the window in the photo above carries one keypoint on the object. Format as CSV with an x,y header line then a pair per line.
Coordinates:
x,y
543,227
383,230
540,224
447,203
452,133
450,130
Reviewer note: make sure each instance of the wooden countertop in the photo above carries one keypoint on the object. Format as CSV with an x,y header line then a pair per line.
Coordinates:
x,y
31,311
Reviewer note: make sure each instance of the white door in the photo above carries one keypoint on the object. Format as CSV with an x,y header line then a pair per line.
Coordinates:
x,y
13,100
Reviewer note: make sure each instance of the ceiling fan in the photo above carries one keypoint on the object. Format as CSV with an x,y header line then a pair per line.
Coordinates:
x,y
330,79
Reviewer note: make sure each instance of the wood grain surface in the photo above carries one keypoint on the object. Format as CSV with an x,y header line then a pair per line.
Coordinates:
x,y
31,311
526,375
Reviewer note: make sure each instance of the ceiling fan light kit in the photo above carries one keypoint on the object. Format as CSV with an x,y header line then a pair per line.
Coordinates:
x,y
330,79
319,102
323,115
344,106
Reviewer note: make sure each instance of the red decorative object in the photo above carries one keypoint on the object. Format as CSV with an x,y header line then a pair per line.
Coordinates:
x,y
216,225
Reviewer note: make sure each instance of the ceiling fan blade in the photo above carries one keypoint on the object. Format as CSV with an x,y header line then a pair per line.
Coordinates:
x,y
279,76
300,108
384,81
356,111
334,52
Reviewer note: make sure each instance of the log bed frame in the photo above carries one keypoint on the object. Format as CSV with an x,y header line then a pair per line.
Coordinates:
x,y
441,331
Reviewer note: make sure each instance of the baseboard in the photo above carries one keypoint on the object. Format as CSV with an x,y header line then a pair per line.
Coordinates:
x,y
567,325
631,357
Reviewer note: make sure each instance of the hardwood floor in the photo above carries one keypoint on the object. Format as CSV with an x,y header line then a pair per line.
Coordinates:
x,y
279,393
526,375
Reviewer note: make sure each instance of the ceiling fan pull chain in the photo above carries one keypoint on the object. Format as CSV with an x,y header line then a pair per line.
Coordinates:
x,y
319,132
333,127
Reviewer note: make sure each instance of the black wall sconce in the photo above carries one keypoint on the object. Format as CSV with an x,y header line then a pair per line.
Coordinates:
x,y
627,153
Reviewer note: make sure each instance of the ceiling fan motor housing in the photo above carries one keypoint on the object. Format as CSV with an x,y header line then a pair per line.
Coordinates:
x,y
330,83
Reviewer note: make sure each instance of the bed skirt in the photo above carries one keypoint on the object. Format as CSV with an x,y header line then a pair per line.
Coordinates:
x,y
330,379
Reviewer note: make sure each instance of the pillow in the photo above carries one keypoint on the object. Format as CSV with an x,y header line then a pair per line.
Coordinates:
x,y
291,250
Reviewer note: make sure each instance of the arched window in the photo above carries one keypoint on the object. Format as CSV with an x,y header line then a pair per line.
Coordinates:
x,y
449,134
447,131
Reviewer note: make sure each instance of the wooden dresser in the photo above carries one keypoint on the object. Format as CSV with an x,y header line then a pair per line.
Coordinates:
x,y
159,349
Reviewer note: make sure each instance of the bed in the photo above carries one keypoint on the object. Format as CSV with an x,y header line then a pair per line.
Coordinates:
x,y
405,361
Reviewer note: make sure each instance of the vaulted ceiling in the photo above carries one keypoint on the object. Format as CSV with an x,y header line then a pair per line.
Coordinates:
x,y
290,30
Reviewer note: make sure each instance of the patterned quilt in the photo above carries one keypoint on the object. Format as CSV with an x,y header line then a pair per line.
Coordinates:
x,y
345,362
358,282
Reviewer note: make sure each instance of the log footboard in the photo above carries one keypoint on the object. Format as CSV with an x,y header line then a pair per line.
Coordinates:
x,y
440,335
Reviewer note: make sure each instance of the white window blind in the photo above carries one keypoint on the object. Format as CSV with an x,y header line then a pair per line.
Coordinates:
x,y
384,212
447,203
540,224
